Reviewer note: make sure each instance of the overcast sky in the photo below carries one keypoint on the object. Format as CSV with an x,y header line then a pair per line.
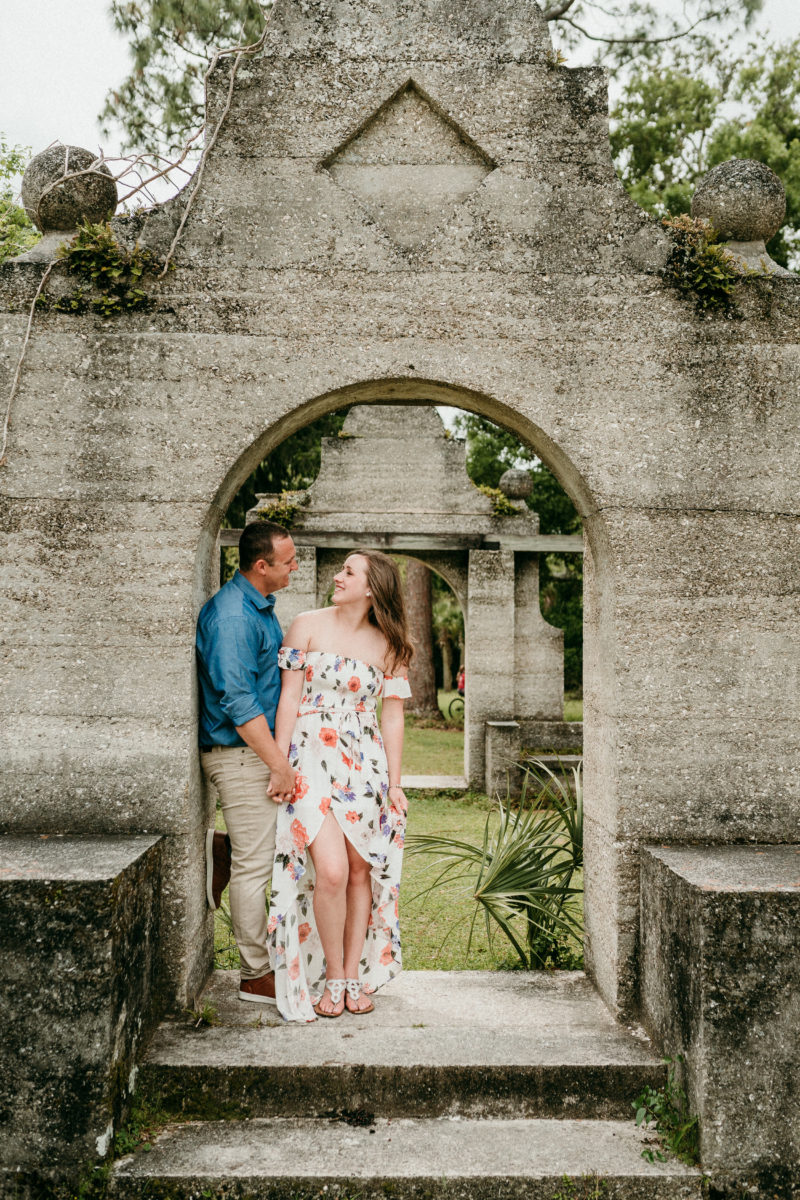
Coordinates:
x,y
60,57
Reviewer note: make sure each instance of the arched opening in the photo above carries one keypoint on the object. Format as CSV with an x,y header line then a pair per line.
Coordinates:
x,y
425,395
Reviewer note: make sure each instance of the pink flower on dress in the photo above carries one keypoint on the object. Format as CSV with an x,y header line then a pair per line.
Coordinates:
x,y
303,931
354,683
272,924
328,736
352,816
324,804
309,673
294,967
386,954
300,786
299,834
348,762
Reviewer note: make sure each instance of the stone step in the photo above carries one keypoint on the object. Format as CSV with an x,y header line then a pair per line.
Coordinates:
x,y
472,1043
273,1158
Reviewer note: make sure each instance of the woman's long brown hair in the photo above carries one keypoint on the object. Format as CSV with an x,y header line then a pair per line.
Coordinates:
x,y
388,609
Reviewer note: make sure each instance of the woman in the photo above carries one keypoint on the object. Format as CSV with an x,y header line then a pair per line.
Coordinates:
x,y
334,921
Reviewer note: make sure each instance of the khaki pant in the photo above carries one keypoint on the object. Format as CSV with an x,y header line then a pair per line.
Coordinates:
x,y
241,779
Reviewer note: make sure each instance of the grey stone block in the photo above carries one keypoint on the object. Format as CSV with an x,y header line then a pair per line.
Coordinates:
x,y
81,989
721,986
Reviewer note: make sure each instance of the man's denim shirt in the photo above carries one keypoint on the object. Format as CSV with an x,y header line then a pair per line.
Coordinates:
x,y
238,638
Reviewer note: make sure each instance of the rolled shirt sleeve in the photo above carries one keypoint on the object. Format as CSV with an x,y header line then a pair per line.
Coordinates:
x,y
238,636
230,660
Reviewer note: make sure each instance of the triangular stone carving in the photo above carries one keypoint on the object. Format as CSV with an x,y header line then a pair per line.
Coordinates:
x,y
409,166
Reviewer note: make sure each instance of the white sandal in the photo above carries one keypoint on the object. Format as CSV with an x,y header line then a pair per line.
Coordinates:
x,y
354,989
336,988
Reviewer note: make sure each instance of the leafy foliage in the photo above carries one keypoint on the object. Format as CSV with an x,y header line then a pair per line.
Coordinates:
x,y
667,1111
589,1187
17,231
172,43
699,267
113,274
527,867
448,629
490,452
682,115
145,1121
501,505
283,510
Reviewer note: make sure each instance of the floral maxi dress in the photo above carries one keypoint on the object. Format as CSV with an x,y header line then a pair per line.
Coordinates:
x,y
340,761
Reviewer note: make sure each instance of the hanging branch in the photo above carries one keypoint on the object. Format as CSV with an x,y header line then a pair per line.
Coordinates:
x,y
15,380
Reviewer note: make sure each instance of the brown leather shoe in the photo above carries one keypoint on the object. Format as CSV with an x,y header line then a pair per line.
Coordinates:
x,y
218,866
262,990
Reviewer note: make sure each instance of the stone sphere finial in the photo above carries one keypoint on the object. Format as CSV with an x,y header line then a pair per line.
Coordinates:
x,y
743,199
516,483
90,197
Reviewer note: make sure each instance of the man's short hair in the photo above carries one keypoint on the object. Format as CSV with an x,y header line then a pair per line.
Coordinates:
x,y
258,541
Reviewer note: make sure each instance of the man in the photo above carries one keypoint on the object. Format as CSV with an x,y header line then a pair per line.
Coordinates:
x,y
238,637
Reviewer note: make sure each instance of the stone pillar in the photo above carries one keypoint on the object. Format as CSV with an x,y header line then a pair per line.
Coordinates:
x,y
503,776
538,649
489,653
301,593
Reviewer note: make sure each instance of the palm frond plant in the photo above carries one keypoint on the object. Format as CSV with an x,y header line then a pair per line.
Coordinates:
x,y
526,876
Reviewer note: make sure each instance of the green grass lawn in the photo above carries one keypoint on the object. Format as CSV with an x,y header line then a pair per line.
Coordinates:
x,y
435,926
428,750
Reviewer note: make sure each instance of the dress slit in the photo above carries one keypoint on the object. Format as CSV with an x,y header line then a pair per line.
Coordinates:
x,y
341,767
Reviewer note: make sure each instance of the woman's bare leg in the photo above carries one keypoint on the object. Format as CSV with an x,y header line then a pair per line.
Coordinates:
x,y
329,856
359,904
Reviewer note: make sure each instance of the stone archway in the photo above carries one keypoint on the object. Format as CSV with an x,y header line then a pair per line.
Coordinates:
x,y
602,887
393,478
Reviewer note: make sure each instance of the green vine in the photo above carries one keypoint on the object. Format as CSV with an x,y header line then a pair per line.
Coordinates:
x,y
501,505
112,276
283,509
699,267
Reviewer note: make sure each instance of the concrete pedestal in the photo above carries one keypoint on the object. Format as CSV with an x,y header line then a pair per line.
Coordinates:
x,y
721,985
78,993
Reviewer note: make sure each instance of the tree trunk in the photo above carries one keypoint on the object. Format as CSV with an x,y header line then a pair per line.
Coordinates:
x,y
447,664
421,676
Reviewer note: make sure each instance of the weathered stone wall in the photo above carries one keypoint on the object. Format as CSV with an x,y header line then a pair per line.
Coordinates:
x,y
536,301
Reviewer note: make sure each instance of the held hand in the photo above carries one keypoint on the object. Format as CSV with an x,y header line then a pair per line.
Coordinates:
x,y
281,783
397,800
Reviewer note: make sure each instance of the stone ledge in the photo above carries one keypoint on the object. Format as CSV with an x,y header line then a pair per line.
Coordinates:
x,y
720,971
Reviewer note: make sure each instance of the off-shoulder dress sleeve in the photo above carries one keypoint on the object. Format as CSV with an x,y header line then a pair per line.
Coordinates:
x,y
290,659
396,687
